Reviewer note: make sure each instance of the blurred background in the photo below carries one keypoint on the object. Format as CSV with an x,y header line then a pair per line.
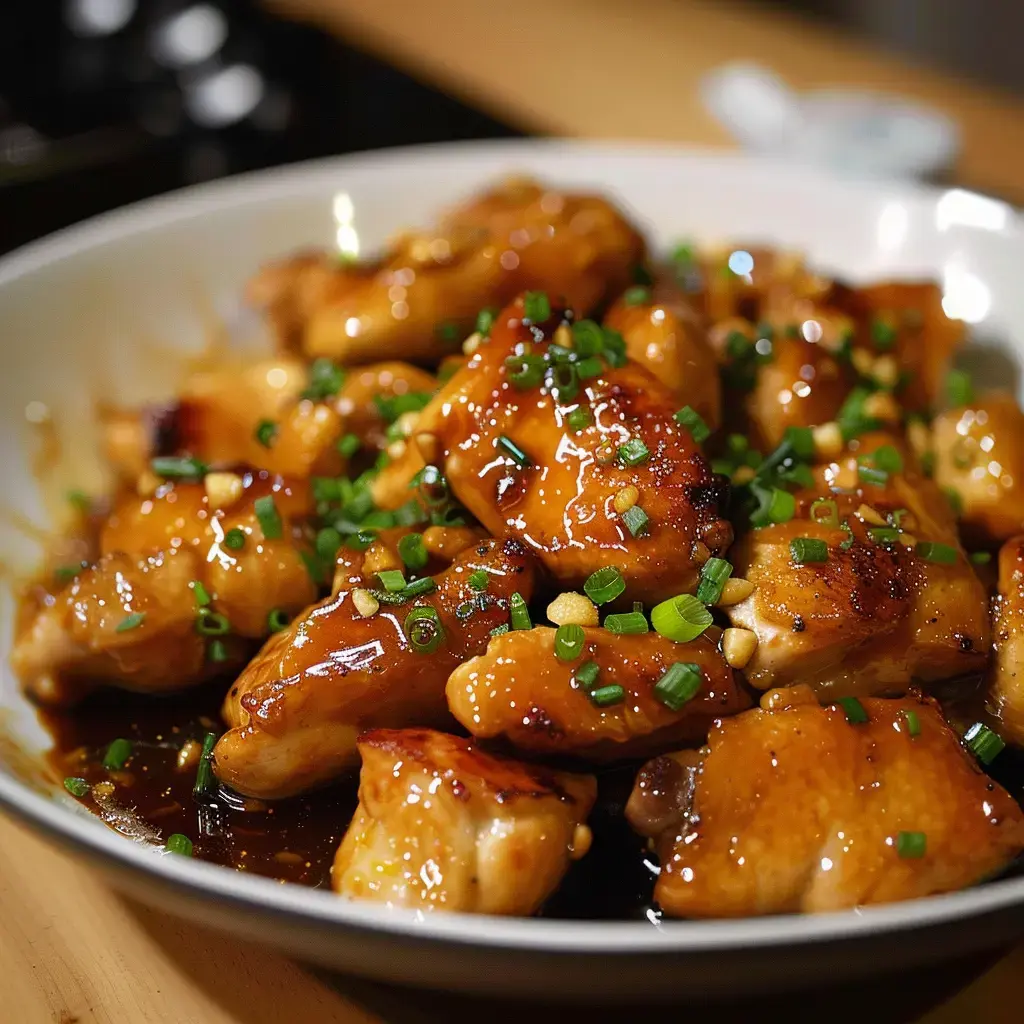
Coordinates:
x,y
103,102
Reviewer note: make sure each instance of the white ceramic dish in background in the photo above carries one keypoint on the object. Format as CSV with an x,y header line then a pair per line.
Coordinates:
x,y
83,314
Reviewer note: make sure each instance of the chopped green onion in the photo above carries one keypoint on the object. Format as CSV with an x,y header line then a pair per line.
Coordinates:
x,y
586,674
410,514
636,296
634,452
846,544
210,623
826,512
808,549
514,452
956,502
536,307
940,554
981,557
737,345
565,382
801,440
526,371
679,685
277,619
852,419
266,431
887,458
66,573
424,630
985,744
392,580
896,516
179,844
478,579
589,367
681,618
683,253
328,540
412,551
873,476
269,519
348,445
424,585
606,696
884,534
580,418
234,539
117,755
485,321
500,630
691,420
325,379
204,772
774,506
614,348
855,712
626,623
712,579
569,641
959,388
519,614
200,593
217,651
604,585
636,521
173,467
641,275
76,786
79,500
447,331
392,406
883,334
129,622
911,845
587,338
913,722
799,474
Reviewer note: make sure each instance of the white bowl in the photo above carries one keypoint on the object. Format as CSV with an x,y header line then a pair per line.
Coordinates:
x,y
86,314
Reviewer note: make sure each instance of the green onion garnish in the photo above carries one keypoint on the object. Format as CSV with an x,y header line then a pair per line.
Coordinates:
x,y
580,418
565,382
614,351
172,467
636,296
587,338
500,630
117,755
277,619
911,845
76,786
204,773
325,379
883,334
536,307
519,614
266,431
200,593
913,722
269,519
586,674
328,540
412,551
801,440
569,641
626,623
774,506
985,744
606,696
634,452
852,419
689,419
424,630
348,445
808,549
887,457
514,452
873,476
478,579
216,650
930,551
179,844
604,585
679,685
392,406
636,521
424,585
526,371
826,512
981,557
485,321
589,367
132,621
681,618
712,579
234,539
846,544
79,500
210,623
884,534
855,712
66,573
959,388
392,580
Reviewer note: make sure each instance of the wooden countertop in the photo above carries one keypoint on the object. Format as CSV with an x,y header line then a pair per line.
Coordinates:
x,y
74,952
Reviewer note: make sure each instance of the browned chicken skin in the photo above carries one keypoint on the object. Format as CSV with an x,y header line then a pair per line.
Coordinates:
x,y
442,825
795,808
295,712
521,691
1006,678
562,504
425,293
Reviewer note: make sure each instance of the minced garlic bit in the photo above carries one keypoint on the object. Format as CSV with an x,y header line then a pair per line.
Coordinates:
x,y
863,361
828,440
563,336
471,344
365,603
743,475
406,423
738,646
736,589
881,406
396,449
626,499
147,484
919,437
572,609
223,489
870,515
908,540
886,371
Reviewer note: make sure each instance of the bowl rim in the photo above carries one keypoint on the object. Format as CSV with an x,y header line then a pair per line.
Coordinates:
x,y
87,835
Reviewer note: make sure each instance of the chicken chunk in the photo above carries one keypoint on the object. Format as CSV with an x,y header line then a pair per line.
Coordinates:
x,y
881,610
1006,679
514,461
979,454
442,825
798,807
295,712
423,296
520,690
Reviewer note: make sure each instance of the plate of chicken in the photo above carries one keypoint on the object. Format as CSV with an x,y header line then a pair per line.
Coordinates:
x,y
567,568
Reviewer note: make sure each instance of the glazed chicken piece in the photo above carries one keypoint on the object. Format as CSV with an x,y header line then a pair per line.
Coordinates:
x,y
423,296
871,617
376,395
442,825
158,556
979,454
295,712
514,461
521,691
798,807
1006,674
664,333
